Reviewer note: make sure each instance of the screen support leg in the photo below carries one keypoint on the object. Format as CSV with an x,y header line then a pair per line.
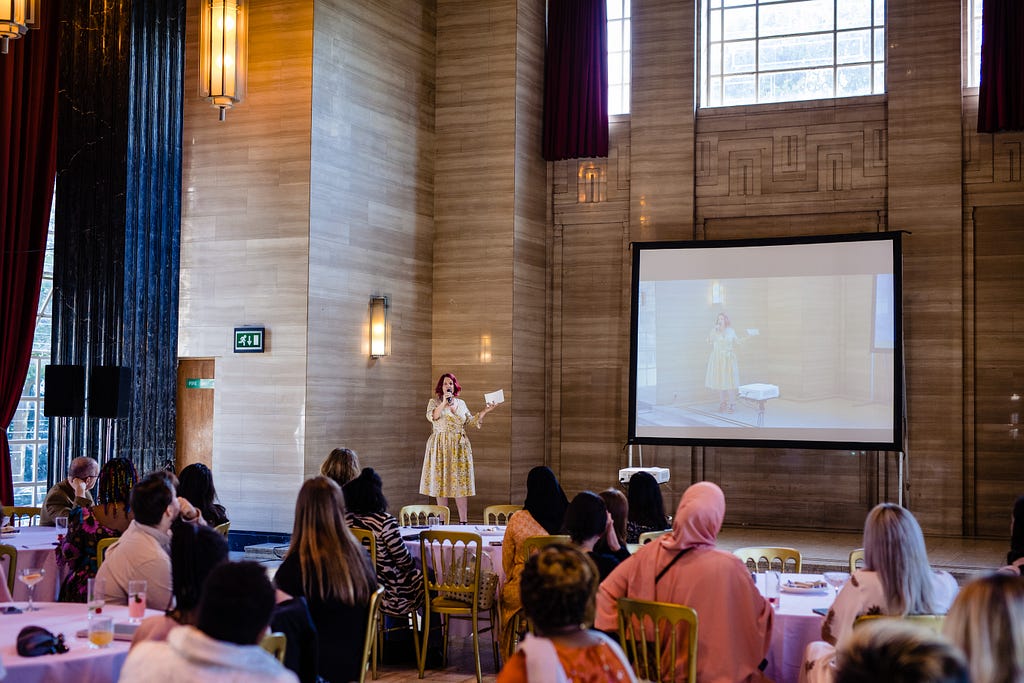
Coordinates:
x,y
899,478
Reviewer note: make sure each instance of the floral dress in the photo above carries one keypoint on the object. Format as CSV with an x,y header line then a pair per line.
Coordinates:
x,y
448,460
723,371
396,569
76,554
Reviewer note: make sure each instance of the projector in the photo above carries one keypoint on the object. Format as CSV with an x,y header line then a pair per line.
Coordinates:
x,y
660,474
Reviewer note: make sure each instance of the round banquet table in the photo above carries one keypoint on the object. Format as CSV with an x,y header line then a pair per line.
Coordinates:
x,y
35,546
795,626
80,663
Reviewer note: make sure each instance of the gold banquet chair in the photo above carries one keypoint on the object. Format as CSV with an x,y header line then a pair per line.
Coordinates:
x,y
498,514
102,546
223,529
276,644
929,621
788,558
21,515
531,545
369,541
370,640
652,634
11,553
856,560
648,536
452,589
416,515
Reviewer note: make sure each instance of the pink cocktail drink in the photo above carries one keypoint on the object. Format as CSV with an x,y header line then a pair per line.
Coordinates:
x,y
136,606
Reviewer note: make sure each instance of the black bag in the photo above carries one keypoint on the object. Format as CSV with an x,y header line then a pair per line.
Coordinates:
x,y
36,640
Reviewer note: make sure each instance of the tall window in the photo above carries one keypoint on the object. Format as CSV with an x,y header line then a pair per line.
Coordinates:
x,y
29,430
974,42
755,51
618,57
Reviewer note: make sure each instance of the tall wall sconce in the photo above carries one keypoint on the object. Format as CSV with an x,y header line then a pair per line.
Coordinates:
x,y
222,53
16,18
380,342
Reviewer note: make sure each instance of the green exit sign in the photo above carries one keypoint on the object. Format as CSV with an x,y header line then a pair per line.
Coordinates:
x,y
249,339
196,383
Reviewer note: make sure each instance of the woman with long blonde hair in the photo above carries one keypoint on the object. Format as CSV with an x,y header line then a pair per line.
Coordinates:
x,y
986,621
329,567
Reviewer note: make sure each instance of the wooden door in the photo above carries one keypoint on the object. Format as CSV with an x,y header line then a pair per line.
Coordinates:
x,y
194,431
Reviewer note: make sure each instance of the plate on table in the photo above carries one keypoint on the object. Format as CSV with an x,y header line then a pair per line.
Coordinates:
x,y
804,587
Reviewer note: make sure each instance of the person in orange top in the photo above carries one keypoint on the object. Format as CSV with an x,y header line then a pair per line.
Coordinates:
x,y
685,568
558,586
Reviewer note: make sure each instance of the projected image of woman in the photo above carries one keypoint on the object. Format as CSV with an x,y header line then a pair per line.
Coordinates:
x,y
723,373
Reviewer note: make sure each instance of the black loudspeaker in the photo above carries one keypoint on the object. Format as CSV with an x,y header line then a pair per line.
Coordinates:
x,y
64,391
109,391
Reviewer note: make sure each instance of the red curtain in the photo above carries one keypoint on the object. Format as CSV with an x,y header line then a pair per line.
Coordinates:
x,y
1001,95
28,164
576,80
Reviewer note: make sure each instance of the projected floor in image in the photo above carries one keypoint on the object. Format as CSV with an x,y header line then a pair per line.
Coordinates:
x,y
778,413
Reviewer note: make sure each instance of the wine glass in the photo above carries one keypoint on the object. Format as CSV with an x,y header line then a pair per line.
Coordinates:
x,y
30,577
836,580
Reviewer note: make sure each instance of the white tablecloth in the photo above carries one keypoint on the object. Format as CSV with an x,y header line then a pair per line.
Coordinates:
x,y
80,664
35,546
795,626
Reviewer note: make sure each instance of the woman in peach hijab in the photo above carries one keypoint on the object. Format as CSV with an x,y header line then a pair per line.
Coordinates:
x,y
685,568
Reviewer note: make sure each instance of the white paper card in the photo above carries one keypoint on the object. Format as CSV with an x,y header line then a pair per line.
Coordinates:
x,y
495,396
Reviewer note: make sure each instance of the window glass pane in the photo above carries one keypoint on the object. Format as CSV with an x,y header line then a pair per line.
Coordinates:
x,y
715,92
625,101
879,13
796,52
739,57
790,86
615,68
41,341
853,80
23,496
738,90
879,79
626,11
614,36
18,461
853,46
22,425
853,13
42,461
715,60
740,23
879,44
740,3
614,9
29,388
715,26
614,99
788,18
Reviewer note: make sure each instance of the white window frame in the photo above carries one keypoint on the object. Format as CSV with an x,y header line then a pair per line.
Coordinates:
x,y
619,59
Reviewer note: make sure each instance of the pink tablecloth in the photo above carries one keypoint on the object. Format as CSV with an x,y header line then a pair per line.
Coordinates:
x,y
795,626
35,546
80,664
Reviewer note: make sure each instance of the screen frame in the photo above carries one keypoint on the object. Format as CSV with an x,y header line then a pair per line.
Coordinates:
x,y
898,383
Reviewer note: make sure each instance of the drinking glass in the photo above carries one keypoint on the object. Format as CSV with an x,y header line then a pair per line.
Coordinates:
x,y
95,596
772,587
836,580
62,528
101,632
136,601
30,577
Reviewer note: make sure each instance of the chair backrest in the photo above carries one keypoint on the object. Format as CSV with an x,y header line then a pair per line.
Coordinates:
x,y
654,635
454,558
11,553
372,619
223,528
788,558
499,514
276,644
648,536
416,515
533,544
856,559
101,549
930,621
21,515
368,540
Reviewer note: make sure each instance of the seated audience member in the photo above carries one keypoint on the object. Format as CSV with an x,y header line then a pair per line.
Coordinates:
x,y
143,551
195,484
543,514
1015,558
685,568
108,518
895,580
587,520
223,646
67,493
618,508
195,551
986,621
646,507
396,569
342,466
326,565
558,585
894,651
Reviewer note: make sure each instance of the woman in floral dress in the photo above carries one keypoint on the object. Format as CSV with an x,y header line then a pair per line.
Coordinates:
x,y
448,461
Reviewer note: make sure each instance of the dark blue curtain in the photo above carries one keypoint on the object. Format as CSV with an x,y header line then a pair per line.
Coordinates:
x,y
576,80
